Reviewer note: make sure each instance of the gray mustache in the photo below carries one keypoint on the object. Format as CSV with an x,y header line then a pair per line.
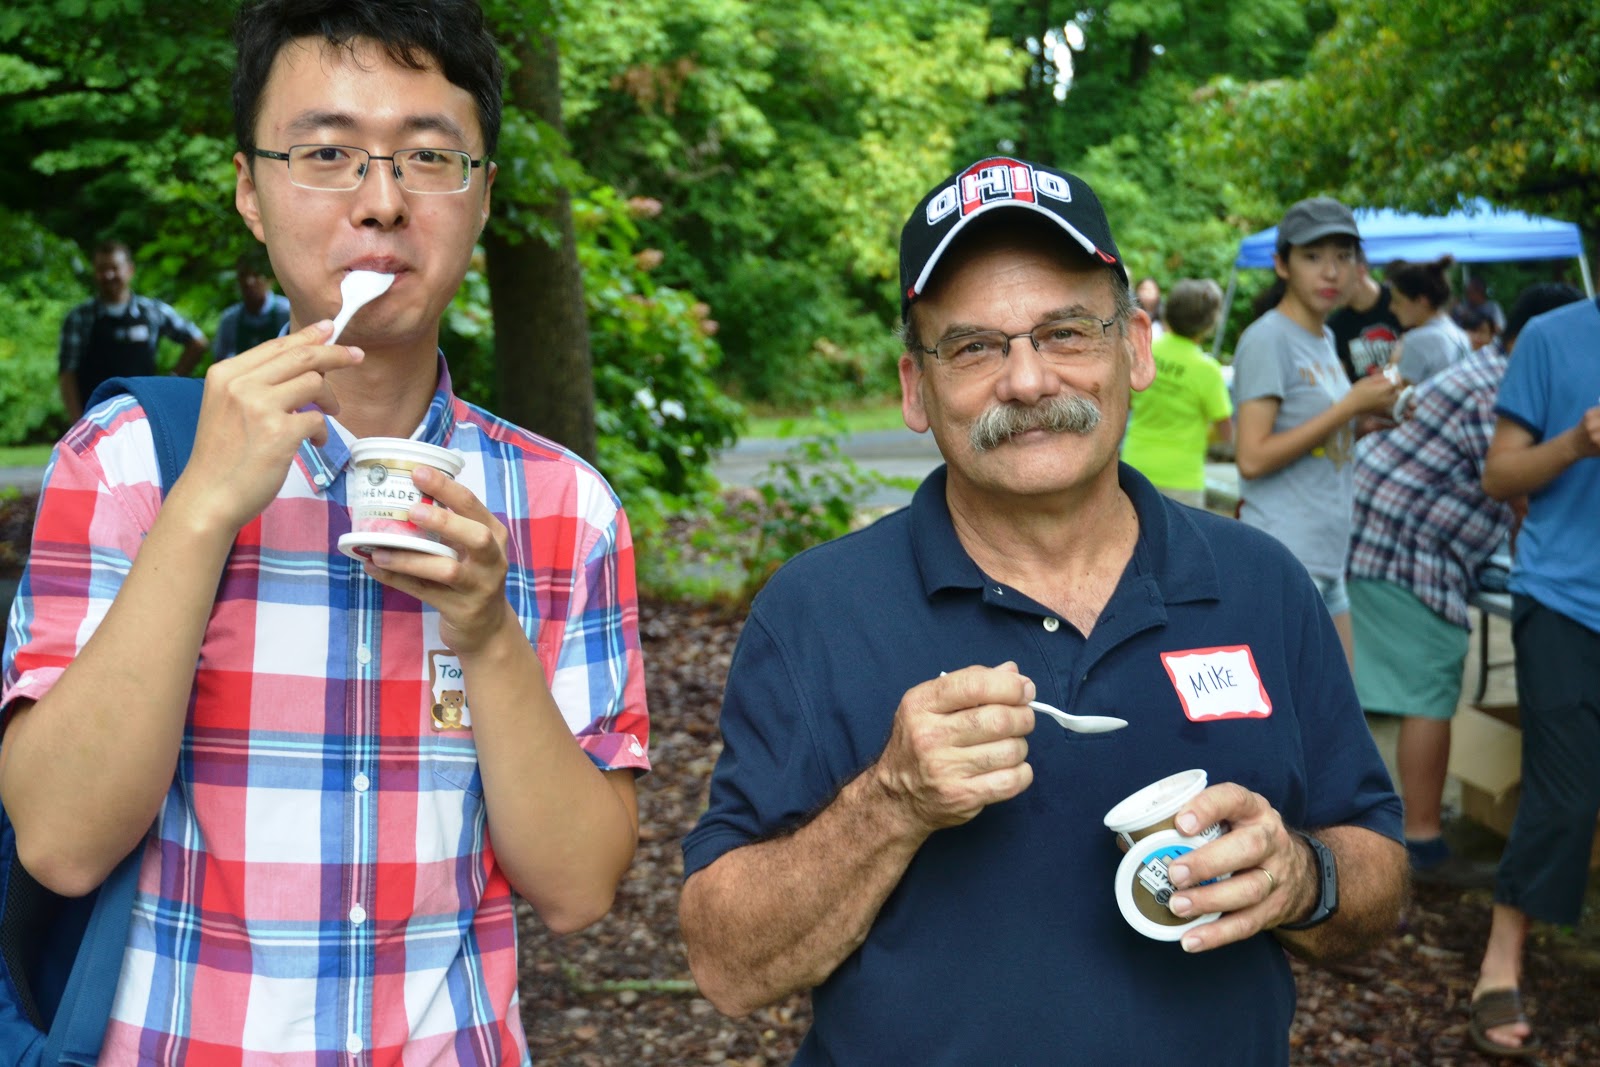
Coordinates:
x,y
1061,414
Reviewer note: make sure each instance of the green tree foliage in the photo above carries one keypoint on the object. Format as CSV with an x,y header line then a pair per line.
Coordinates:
x,y
123,106
787,142
1121,121
1418,106
36,283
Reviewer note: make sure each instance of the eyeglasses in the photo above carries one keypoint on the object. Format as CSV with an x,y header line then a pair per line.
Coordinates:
x,y
337,168
1056,341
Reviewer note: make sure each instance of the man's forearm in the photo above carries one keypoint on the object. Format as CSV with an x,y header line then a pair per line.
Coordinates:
x,y
84,771
70,400
1372,890
779,916
563,830
190,358
1513,472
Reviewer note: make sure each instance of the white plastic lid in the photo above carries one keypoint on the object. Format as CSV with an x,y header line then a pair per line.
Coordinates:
x,y
360,545
1156,802
1167,844
378,449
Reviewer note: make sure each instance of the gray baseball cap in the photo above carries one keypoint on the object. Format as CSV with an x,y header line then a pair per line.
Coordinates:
x,y
1312,220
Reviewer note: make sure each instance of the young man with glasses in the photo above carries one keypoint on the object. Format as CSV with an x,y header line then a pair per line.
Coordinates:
x,y
911,847
331,866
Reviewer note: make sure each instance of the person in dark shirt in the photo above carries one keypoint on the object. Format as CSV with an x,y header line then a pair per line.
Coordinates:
x,y
117,333
1364,329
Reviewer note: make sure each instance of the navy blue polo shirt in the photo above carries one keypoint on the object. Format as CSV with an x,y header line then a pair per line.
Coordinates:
x,y
1002,943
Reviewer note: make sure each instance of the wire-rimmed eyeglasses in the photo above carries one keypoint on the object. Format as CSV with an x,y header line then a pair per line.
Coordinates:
x,y
1056,341
337,168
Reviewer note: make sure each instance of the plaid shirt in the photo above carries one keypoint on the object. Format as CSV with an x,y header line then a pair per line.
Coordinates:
x,y
320,886
77,327
1422,519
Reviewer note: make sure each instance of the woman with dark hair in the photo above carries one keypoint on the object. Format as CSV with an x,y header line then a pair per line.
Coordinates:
x,y
1420,299
1296,405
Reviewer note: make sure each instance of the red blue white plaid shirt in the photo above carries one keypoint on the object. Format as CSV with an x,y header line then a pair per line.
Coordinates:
x,y
1421,518
320,886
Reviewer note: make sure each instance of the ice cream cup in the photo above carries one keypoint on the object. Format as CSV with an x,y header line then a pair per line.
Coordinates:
x,y
382,492
1153,808
1144,890
1145,828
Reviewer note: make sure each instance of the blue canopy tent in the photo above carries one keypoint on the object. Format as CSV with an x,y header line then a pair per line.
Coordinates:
x,y
1478,232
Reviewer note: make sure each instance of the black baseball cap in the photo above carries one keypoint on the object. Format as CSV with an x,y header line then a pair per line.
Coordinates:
x,y
995,184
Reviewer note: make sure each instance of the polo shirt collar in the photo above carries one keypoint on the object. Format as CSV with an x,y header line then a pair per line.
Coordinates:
x,y
321,467
1171,552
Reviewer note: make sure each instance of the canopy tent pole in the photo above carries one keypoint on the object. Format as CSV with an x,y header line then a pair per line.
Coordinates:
x,y
1583,266
1227,304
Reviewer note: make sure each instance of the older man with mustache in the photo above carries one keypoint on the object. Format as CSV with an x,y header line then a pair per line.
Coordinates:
x,y
887,828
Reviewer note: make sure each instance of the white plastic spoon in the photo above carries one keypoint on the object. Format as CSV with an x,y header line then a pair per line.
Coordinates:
x,y
1079,724
359,288
1082,724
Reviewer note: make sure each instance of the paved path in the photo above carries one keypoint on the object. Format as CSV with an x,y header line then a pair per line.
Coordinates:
x,y
904,454
28,479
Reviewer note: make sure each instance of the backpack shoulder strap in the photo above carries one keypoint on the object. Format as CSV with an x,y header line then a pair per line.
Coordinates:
x,y
172,406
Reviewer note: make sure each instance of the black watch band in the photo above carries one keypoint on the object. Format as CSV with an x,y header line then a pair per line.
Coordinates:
x,y
1327,885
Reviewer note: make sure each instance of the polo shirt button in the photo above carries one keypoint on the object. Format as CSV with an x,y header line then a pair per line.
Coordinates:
x,y
353,1044
1052,624
322,480
358,915
364,655
361,782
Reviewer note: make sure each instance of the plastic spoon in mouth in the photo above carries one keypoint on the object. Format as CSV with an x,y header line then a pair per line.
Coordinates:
x,y
359,288
1078,724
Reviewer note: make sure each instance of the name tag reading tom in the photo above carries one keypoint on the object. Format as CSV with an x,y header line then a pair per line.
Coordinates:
x,y
1218,683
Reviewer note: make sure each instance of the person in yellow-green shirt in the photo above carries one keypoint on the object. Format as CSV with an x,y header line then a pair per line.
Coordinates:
x,y
1173,420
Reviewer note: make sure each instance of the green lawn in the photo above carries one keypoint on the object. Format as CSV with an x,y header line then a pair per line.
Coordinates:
x,y
24,455
884,415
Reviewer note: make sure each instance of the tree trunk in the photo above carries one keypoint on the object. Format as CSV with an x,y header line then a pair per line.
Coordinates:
x,y
541,328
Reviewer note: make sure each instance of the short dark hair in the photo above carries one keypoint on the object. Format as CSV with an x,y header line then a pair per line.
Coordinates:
x,y
414,33
1192,307
1343,240
110,247
1535,300
253,263
1424,281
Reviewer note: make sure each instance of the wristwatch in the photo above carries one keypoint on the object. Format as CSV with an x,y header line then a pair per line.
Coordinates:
x,y
1327,885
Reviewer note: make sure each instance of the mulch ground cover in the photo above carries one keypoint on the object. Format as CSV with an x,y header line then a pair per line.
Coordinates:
x,y
620,992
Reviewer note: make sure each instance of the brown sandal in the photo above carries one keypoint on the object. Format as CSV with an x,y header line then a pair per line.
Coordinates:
x,y
1500,1007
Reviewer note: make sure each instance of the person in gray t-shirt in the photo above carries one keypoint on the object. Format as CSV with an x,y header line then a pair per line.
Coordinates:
x,y
1420,299
1296,406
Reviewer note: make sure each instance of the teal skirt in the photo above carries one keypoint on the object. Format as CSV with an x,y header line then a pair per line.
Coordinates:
x,y
1408,658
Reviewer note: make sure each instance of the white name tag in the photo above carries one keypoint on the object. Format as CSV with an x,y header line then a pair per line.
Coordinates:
x,y
1218,683
450,710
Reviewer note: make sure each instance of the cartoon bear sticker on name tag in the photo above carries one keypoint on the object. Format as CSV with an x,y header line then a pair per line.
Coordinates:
x,y
450,710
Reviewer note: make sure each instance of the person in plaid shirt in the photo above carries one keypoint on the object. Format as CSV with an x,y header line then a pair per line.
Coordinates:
x,y
1423,526
337,772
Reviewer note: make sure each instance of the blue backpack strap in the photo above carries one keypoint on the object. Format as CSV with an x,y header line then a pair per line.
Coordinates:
x,y
172,407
